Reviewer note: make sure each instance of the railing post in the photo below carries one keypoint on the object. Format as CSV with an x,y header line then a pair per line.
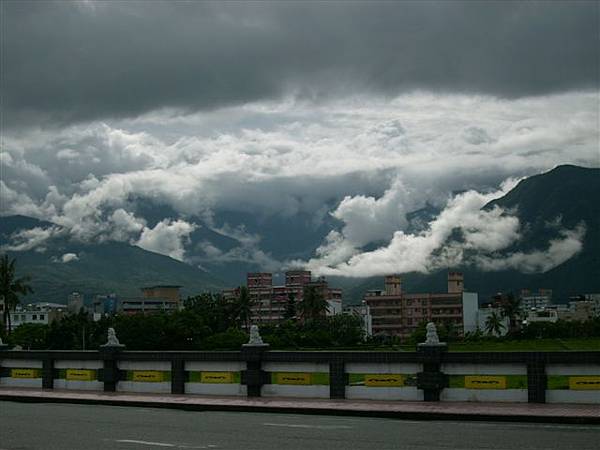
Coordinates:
x,y
3,348
536,379
177,376
253,377
110,369
110,355
47,373
338,379
252,352
431,380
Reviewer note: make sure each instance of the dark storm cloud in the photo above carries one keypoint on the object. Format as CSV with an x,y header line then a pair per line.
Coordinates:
x,y
72,61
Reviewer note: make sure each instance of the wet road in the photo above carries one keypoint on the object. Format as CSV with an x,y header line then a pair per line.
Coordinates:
x,y
63,427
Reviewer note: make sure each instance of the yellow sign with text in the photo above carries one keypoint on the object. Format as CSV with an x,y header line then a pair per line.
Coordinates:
x,y
24,373
292,378
148,376
80,375
590,383
216,377
485,382
384,380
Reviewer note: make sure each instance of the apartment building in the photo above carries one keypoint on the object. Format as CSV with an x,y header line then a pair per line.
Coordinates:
x,y
269,302
37,313
159,298
542,298
104,305
396,313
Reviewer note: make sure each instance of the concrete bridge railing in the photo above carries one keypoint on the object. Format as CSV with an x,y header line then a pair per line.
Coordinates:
x,y
424,375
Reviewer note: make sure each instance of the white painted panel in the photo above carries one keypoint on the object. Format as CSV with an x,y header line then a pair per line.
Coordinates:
x,y
79,385
21,363
295,367
406,368
568,396
215,389
21,382
484,369
278,390
145,365
215,366
408,393
573,369
76,364
163,387
483,395
470,303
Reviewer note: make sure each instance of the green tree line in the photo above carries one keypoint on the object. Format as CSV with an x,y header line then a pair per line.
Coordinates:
x,y
207,322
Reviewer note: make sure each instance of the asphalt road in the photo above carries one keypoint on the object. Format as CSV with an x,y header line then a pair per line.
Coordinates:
x,y
77,427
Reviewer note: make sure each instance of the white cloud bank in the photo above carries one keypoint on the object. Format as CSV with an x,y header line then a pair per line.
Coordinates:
x,y
483,234
559,251
167,237
34,238
376,158
67,258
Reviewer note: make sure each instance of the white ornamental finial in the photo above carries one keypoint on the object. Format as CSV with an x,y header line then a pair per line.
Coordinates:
x,y
112,340
432,337
255,338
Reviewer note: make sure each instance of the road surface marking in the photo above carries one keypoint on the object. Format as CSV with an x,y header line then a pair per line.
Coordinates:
x,y
319,427
156,444
163,444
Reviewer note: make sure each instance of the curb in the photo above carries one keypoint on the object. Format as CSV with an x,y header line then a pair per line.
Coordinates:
x,y
399,415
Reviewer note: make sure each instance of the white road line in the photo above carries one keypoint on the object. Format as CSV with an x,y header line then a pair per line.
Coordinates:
x,y
318,427
163,444
156,444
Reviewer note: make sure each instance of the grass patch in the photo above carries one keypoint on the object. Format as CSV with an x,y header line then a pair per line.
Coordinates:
x,y
532,345
537,345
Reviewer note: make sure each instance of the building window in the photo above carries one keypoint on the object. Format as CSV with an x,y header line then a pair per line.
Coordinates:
x,y
34,317
41,317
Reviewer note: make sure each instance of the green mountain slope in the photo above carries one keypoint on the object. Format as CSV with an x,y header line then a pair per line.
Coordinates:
x,y
567,192
100,269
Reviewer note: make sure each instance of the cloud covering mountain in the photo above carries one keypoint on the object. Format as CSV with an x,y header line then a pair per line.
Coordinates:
x,y
227,118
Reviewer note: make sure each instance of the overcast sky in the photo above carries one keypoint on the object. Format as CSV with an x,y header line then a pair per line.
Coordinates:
x,y
364,111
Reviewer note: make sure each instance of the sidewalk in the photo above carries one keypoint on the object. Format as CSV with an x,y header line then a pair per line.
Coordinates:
x,y
511,412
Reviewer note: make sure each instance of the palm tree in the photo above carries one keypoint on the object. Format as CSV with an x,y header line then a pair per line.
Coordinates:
x,y
290,307
313,304
244,307
11,287
511,306
493,324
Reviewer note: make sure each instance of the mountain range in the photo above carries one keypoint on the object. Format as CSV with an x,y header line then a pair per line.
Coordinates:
x,y
568,194
98,268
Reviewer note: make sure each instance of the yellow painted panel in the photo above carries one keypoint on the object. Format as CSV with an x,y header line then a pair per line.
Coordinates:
x,y
384,380
292,378
80,375
148,375
485,382
590,383
24,373
216,377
